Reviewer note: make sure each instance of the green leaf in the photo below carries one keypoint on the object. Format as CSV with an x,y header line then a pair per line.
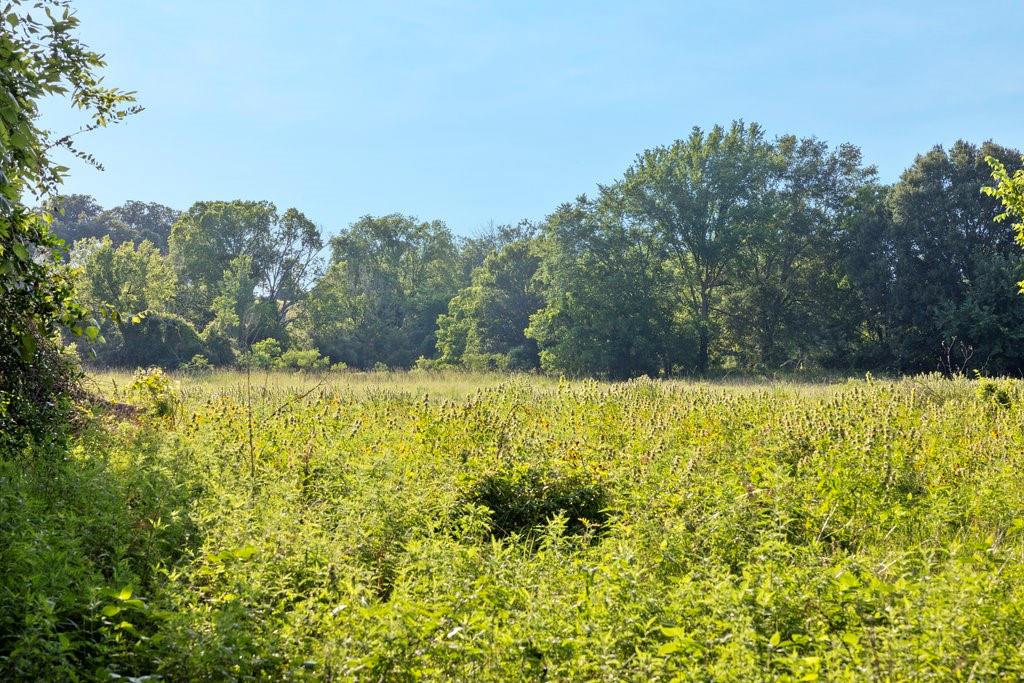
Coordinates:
x,y
125,594
20,251
110,610
245,552
28,345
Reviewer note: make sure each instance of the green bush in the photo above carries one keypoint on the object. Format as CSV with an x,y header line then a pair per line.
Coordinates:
x,y
263,355
154,390
522,499
998,392
159,340
217,347
308,360
37,391
197,366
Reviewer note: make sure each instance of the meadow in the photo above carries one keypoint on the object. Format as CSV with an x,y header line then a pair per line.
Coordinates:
x,y
406,526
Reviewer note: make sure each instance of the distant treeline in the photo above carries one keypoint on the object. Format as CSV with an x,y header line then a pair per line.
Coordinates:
x,y
724,250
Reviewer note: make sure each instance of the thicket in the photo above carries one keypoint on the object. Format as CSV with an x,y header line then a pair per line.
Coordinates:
x,y
582,531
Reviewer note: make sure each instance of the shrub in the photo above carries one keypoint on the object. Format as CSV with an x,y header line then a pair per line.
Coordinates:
x,y
217,347
153,390
263,354
995,391
36,392
197,366
159,340
308,360
521,499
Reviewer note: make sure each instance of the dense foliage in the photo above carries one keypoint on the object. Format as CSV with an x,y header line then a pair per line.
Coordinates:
x,y
40,57
574,531
724,251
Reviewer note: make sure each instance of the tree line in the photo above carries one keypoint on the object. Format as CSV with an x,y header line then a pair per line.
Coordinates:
x,y
725,250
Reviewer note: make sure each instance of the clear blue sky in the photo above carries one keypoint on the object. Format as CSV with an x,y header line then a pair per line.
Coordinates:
x,y
473,112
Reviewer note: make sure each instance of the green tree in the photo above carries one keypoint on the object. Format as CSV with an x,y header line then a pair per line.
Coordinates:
x,y
867,255
486,322
699,196
390,278
294,262
786,298
1009,189
127,278
208,237
604,291
474,249
131,281
143,221
951,267
40,57
235,301
77,217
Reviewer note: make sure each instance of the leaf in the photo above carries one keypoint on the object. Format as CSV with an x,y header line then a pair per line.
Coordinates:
x,y
847,580
20,251
110,610
125,594
28,345
92,332
775,639
245,552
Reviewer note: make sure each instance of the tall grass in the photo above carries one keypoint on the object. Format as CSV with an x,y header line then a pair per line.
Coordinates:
x,y
475,527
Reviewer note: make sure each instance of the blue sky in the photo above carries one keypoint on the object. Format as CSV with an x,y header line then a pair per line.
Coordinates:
x,y
473,112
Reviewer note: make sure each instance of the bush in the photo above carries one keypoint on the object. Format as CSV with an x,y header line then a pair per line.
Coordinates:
x,y
263,354
37,389
197,366
309,360
153,390
522,499
217,347
159,340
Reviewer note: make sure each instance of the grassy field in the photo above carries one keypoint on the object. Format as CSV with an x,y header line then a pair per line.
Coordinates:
x,y
477,527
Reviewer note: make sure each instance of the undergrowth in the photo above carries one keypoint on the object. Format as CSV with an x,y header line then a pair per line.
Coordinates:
x,y
581,531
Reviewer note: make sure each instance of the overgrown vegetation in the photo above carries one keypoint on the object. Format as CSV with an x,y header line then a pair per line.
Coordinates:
x,y
523,529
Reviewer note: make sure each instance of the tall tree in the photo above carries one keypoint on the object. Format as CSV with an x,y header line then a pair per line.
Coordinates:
x,y
786,279
486,322
127,278
1009,189
282,252
603,287
143,221
210,235
78,216
294,261
952,267
474,249
390,278
698,196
